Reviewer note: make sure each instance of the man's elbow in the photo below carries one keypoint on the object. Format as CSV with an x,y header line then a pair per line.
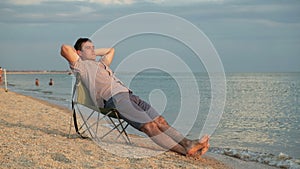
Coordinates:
x,y
65,49
112,50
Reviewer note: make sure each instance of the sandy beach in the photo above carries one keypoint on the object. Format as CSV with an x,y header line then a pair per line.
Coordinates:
x,y
34,134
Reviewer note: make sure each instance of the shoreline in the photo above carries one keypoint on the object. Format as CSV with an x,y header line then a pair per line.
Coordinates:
x,y
41,119
37,72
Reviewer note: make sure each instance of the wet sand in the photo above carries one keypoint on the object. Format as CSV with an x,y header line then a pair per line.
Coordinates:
x,y
34,134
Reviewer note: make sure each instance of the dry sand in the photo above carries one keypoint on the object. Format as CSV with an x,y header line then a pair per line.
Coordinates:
x,y
34,134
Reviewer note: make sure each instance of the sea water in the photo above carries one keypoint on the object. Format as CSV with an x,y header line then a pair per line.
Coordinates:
x,y
261,113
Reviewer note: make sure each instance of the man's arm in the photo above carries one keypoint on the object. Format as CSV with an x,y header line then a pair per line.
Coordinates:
x,y
107,54
69,53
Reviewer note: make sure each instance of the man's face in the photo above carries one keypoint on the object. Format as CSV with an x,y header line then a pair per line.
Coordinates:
x,y
87,51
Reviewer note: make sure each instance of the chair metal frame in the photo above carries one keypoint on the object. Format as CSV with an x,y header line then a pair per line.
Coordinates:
x,y
93,128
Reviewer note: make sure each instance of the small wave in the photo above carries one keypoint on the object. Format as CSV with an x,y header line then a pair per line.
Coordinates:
x,y
33,90
47,92
281,160
11,84
56,98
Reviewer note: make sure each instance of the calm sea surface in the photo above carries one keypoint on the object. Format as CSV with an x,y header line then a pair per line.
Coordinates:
x,y
262,110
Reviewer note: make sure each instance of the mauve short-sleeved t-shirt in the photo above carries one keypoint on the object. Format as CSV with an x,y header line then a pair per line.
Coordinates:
x,y
99,79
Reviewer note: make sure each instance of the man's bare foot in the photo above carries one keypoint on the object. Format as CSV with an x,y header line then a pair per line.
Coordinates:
x,y
197,145
204,150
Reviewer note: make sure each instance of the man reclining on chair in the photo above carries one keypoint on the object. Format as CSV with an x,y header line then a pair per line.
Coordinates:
x,y
109,92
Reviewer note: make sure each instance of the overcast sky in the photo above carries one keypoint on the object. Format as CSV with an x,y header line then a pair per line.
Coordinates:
x,y
250,36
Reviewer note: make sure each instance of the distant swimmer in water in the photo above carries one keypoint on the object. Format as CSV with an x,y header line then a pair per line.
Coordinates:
x,y
37,82
51,82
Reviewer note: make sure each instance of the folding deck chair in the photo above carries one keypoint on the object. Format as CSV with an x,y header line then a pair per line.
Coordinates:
x,y
92,121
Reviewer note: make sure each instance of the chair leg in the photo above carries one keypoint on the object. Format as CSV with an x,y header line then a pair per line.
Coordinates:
x,y
123,129
70,126
127,134
116,127
94,133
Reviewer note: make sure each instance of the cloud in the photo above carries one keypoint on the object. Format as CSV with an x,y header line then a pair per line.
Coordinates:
x,y
180,2
113,2
24,2
105,2
35,11
233,25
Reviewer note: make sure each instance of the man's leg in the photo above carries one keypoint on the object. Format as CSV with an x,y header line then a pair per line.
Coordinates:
x,y
168,137
185,146
170,131
191,146
135,111
161,139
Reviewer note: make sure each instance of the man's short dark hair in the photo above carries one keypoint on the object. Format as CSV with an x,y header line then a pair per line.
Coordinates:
x,y
80,41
